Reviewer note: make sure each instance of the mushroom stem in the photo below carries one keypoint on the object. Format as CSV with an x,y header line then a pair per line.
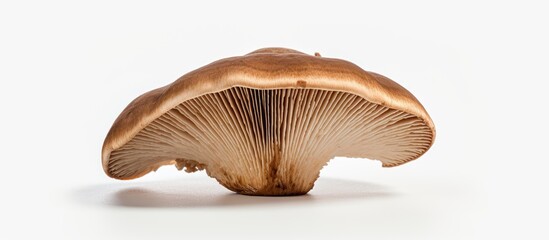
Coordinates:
x,y
275,180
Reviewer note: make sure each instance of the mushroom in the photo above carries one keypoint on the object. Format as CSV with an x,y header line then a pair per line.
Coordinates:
x,y
267,122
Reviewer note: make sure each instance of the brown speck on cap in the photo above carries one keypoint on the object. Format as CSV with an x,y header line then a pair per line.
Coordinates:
x,y
267,122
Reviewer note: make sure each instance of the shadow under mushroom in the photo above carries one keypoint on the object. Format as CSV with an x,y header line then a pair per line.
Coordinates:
x,y
191,193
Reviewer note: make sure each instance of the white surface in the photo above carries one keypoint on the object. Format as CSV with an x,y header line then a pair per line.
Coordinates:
x,y
480,69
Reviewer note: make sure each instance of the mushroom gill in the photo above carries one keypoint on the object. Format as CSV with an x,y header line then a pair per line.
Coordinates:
x,y
271,141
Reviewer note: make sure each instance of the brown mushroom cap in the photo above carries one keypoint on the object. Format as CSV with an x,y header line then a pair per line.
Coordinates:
x,y
267,122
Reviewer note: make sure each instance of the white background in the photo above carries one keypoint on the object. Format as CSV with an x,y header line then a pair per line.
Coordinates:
x,y
68,68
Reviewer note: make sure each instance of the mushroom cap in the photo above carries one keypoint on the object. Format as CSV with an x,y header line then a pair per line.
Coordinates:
x,y
269,69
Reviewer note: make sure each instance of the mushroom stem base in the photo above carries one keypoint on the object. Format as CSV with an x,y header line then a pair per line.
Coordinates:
x,y
270,189
280,184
